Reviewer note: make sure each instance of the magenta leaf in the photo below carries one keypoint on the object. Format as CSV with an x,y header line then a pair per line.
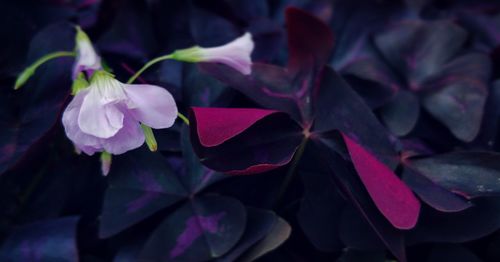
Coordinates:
x,y
260,140
350,185
392,197
217,125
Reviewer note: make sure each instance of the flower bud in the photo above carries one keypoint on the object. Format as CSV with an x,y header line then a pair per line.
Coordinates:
x,y
235,54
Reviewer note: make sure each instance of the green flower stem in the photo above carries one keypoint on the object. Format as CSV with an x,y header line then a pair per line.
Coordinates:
x,y
29,71
183,118
148,65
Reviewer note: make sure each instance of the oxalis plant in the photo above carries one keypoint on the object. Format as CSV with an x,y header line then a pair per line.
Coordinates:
x,y
355,147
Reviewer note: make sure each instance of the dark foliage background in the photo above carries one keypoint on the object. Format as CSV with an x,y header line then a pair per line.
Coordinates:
x,y
410,90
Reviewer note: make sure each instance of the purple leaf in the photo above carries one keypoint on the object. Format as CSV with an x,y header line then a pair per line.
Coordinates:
x,y
310,41
202,229
217,125
42,241
400,115
457,95
469,174
392,197
338,107
418,49
140,185
349,184
256,141
41,101
433,194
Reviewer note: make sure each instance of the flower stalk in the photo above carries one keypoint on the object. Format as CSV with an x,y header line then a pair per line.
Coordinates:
x,y
30,70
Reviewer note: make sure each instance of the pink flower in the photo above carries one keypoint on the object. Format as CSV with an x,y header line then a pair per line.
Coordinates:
x,y
87,59
235,54
106,116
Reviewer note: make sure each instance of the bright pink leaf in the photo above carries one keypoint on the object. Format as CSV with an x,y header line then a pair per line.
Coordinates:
x,y
392,197
217,125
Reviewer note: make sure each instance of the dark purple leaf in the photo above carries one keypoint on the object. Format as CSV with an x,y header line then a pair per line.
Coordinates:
x,y
457,95
51,240
310,41
338,107
469,174
485,28
433,194
418,49
400,115
140,184
191,173
25,121
372,79
270,86
202,229
202,90
352,23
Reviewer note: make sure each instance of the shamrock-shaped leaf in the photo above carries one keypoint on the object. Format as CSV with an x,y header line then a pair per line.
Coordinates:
x,y
203,228
322,104
143,184
451,88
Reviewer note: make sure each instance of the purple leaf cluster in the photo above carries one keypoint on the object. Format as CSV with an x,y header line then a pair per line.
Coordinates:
x,y
365,131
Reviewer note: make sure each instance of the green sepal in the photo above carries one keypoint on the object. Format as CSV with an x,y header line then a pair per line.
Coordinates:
x,y
79,84
150,138
192,54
